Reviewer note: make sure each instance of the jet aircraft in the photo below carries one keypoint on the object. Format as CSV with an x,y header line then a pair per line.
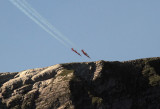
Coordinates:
x,y
85,53
75,51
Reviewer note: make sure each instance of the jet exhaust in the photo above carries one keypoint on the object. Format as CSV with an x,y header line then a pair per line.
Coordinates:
x,y
23,6
44,21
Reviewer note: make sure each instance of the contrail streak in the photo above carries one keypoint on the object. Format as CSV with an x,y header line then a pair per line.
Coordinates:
x,y
36,21
28,7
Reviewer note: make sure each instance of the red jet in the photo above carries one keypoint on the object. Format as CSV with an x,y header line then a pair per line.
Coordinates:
x,y
85,53
75,51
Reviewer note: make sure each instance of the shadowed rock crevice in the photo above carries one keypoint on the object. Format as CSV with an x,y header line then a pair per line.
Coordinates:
x,y
88,85
155,64
2,106
4,77
79,94
29,100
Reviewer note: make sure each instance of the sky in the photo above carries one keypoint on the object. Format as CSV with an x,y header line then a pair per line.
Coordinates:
x,y
110,30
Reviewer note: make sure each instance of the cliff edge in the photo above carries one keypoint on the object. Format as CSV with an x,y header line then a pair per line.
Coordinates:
x,y
89,85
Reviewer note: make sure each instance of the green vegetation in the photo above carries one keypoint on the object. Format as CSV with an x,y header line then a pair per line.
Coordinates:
x,y
151,71
154,80
148,71
65,78
97,100
65,72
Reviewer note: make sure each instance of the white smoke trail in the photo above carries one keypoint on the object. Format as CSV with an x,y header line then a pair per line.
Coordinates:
x,y
36,21
28,7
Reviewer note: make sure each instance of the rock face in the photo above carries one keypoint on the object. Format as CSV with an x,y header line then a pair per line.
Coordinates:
x,y
89,85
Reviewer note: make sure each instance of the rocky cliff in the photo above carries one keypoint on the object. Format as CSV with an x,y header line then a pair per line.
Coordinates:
x,y
90,85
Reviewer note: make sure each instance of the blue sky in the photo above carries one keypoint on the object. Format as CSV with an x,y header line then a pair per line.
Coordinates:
x,y
110,30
